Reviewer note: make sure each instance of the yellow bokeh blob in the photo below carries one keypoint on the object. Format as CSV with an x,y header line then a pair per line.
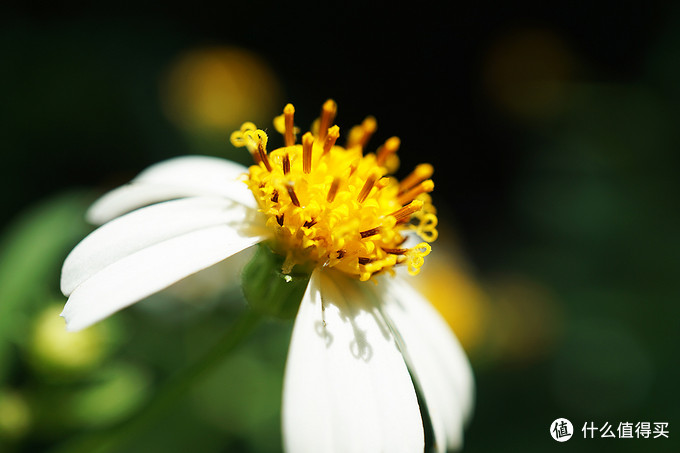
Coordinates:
x,y
216,87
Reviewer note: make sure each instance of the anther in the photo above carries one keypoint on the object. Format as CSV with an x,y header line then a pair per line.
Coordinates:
x,y
262,154
333,190
406,211
279,219
364,261
286,164
420,173
390,147
423,187
275,197
395,251
309,223
369,233
331,138
293,196
307,142
359,135
328,112
370,181
289,134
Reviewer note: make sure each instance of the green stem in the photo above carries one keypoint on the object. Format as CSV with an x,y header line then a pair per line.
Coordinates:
x,y
168,393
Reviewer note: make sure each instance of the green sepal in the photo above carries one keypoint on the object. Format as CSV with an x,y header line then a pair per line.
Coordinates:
x,y
268,290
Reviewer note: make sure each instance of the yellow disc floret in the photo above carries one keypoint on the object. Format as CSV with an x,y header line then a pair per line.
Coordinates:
x,y
336,206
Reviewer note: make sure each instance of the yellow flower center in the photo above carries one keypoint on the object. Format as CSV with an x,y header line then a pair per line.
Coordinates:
x,y
336,206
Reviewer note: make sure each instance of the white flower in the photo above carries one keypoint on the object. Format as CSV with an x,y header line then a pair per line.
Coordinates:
x,y
360,352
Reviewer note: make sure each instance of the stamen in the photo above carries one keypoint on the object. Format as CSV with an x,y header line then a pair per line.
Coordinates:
x,y
420,173
423,187
390,147
406,211
279,219
307,142
289,135
286,164
364,261
395,251
359,135
309,223
367,188
328,112
293,196
331,138
333,190
275,197
369,233
262,154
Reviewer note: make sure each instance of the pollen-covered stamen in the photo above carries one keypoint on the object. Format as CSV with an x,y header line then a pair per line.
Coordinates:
x,y
368,186
341,210
331,138
390,147
328,112
419,174
307,146
293,195
424,187
289,133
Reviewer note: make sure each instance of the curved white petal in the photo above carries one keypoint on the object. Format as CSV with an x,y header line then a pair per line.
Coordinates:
x,y
436,358
148,226
179,177
346,387
149,270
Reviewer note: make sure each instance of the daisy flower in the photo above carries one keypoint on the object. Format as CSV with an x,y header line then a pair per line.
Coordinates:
x,y
371,365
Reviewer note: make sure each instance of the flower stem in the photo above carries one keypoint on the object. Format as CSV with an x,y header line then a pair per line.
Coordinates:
x,y
169,392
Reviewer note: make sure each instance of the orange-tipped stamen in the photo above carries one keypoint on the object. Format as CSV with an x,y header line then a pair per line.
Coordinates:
x,y
419,174
307,142
370,181
424,187
331,138
390,147
289,134
328,112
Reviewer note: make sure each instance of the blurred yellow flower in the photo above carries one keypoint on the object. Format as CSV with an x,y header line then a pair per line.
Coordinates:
x,y
215,87
451,287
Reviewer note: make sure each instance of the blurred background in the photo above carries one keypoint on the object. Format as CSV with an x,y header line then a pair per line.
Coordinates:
x,y
553,131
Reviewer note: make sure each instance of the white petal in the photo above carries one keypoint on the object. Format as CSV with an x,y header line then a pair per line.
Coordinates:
x,y
175,178
150,270
346,387
145,227
435,357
